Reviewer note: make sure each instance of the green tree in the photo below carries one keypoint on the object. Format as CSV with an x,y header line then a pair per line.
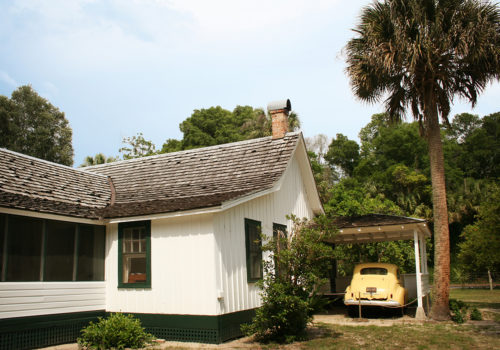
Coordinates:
x,y
420,54
324,177
480,249
463,125
208,127
216,125
343,153
99,158
480,150
136,147
31,125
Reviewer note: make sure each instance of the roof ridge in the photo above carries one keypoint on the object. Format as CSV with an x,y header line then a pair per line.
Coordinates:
x,y
187,151
48,162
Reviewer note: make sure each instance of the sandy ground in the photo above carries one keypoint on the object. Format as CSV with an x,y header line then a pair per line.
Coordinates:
x,y
335,316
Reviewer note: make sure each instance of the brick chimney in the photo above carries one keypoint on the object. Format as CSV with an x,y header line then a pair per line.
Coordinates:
x,y
279,117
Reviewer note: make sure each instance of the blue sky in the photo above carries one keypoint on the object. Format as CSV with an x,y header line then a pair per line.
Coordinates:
x,y
121,67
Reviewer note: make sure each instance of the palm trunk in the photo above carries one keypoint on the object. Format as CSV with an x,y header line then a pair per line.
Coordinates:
x,y
441,286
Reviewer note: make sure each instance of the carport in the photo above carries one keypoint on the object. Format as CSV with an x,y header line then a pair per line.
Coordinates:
x,y
382,228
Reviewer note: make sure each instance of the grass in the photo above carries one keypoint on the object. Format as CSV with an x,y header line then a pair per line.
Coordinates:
x,y
480,298
426,336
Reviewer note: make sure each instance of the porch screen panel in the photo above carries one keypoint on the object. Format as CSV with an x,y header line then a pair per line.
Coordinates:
x,y
60,248
24,247
91,253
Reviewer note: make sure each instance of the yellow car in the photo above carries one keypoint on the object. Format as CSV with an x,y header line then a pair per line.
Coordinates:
x,y
375,284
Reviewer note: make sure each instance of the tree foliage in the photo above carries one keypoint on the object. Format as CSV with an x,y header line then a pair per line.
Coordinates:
x,y
136,147
216,125
99,158
479,251
392,176
420,54
30,124
343,153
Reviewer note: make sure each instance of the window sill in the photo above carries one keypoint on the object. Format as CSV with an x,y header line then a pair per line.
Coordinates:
x,y
134,285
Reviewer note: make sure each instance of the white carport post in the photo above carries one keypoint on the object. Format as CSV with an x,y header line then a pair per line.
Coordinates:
x,y
420,315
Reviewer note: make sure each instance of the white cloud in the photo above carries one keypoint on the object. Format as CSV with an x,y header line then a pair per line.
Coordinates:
x,y
6,78
230,19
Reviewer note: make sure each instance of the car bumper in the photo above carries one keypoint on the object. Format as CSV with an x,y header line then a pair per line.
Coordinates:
x,y
390,303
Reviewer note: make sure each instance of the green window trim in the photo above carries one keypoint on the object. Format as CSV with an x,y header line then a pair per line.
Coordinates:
x,y
250,227
121,227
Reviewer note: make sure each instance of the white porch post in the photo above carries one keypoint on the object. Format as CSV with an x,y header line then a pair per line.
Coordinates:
x,y
420,310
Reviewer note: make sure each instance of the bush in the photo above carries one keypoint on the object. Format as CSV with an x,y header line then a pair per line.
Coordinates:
x,y
299,263
475,314
118,331
283,316
458,311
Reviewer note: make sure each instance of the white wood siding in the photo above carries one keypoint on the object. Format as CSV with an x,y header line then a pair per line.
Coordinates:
x,y
18,299
230,237
182,269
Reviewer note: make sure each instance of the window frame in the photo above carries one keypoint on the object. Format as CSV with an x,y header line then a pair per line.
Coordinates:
x,y
283,228
249,222
121,227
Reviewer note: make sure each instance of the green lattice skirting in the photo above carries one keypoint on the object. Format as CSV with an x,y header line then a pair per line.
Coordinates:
x,y
41,331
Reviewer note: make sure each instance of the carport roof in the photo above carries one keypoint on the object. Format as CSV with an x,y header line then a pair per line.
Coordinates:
x,y
378,228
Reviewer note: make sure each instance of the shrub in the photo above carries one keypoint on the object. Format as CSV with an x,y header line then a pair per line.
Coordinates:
x,y
475,314
283,316
299,263
458,311
118,331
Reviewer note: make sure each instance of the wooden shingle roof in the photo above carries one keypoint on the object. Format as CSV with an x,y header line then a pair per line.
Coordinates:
x,y
374,220
197,178
37,185
194,179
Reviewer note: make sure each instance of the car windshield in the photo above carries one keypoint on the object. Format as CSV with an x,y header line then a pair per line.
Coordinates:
x,y
374,271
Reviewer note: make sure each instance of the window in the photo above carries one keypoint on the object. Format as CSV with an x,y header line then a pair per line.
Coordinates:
x,y
374,271
281,230
280,235
48,250
134,255
253,250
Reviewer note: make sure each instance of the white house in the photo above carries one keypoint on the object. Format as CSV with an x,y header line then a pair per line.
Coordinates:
x,y
170,238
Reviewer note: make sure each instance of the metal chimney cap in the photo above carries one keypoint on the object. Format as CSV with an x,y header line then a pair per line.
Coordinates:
x,y
279,105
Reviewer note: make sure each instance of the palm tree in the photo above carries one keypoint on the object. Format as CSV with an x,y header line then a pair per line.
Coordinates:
x,y
99,158
419,54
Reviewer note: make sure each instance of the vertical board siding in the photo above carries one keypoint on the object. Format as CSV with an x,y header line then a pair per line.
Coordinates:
x,y
20,299
183,269
230,236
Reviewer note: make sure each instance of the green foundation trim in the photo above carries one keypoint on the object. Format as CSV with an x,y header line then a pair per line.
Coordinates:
x,y
196,328
45,330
